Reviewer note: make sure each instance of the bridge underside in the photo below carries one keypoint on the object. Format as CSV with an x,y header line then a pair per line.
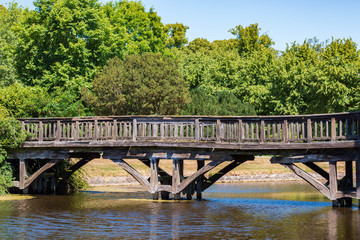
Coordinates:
x,y
340,191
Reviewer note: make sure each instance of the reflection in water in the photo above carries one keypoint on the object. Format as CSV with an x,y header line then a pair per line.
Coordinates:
x,y
237,211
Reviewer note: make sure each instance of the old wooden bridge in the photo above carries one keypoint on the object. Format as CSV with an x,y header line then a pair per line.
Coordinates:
x,y
292,140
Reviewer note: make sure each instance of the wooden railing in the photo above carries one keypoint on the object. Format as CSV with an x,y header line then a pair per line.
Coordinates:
x,y
262,129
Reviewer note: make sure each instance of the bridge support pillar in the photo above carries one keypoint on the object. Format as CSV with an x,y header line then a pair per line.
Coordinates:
x,y
199,182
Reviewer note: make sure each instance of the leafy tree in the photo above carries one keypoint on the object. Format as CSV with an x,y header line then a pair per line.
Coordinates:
x,y
9,18
176,33
61,43
134,30
141,84
11,136
223,103
249,38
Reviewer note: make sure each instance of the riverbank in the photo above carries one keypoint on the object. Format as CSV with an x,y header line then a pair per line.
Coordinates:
x,y
101,172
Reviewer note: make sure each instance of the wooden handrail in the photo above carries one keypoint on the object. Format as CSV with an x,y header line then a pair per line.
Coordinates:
x,y
242,129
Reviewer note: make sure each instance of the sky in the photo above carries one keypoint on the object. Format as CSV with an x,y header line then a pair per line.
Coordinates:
x,y
285,21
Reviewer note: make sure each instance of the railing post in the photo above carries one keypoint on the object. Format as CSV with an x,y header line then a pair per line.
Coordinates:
x,y
284,131
262,131
309,130
333,129
41,133
197,130
95,136
134,130
58,130
240,138
218,130
76,131
114,130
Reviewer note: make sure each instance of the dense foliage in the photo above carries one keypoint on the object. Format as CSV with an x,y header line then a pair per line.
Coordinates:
x,y
11,136
140,84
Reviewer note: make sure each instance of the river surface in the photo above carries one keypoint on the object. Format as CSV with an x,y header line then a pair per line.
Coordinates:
x,y
229,211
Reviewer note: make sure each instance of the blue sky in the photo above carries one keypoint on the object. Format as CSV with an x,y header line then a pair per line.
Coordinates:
x,y
285,21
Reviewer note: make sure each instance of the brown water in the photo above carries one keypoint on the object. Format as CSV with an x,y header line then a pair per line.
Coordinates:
x,y
228,211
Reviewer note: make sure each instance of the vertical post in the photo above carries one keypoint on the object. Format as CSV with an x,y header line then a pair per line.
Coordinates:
x,y
284,131
58,131
200,164
308,130
333,129
357,167
333,182
41,133
349,181
240,138
176,179
114,130
197,130
154,178
22,173
134,130
162,132
262,131
218,131
76,131
95,129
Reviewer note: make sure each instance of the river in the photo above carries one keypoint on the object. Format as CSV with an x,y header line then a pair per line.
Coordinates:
x,y
290,210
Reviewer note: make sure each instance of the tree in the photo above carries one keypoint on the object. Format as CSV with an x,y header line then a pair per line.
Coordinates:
x,y
134,30
9,18
176,33
140,84
249,38
61,43
11,136
222,103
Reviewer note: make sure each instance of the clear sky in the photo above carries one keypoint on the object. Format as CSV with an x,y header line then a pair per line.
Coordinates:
x,y
285,21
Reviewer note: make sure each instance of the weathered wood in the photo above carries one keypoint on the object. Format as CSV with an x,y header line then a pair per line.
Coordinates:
x,y
309,130
22,173
262,131
310,179
142,180
36,174
197,174
199,182
134,133
314,158
333,129
285,131
357,173
210,181
176,178
333,180
317,169
154,175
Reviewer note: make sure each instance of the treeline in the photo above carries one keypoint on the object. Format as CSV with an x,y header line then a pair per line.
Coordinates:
x,y
80,57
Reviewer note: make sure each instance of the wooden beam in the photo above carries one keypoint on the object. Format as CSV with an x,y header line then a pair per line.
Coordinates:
x,y
154,177
197,174
357,166
317,169
161,172
22,173
43,169
199,182
142,180
333,180
310,179
314,158
176,179
210,181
